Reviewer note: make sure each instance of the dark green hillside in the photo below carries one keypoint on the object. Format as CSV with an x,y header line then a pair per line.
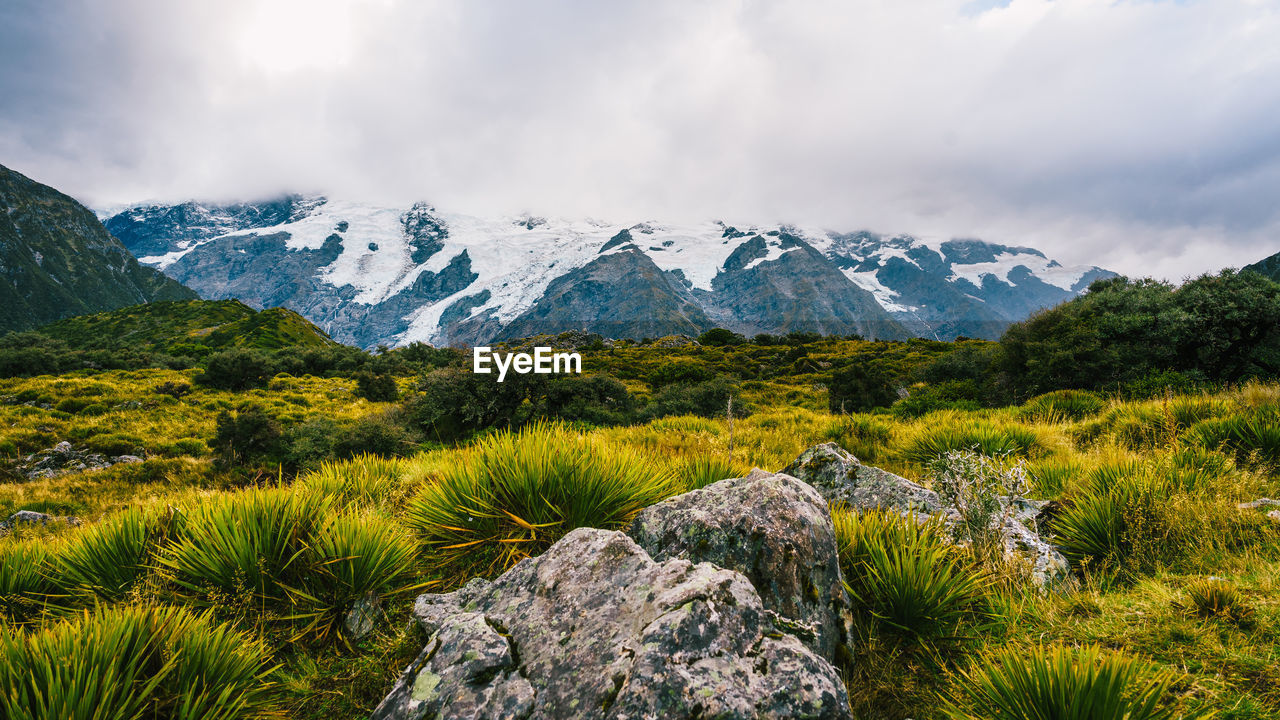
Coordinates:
x,y
173,327
57,261
1270,267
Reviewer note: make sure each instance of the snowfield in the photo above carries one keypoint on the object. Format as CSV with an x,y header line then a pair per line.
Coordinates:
x,y
516,258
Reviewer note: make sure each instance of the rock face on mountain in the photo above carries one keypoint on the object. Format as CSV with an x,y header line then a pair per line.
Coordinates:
x,y
618,294
1269,267
57,260
773,529
595,628
957,287
843,480
370,274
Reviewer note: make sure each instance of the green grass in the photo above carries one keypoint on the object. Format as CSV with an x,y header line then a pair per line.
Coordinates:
x,y
905,576
1064,684
512,495
1149,497
169,326
134,662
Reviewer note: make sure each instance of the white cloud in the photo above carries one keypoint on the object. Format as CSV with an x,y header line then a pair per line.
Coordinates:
x,y
1136,135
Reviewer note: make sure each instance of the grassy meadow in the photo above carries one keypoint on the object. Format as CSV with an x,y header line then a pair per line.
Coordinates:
x,y
1175,596
294,496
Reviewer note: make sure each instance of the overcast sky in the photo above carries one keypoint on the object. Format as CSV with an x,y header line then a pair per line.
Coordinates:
x,y
1137,135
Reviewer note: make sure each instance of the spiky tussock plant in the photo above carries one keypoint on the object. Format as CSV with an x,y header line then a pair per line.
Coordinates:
x,y
1121,523
905,576
515,493
105,560
700,471
26,581
1062,406
364,479
1061,683
287,554
1214,598
134,662
941,434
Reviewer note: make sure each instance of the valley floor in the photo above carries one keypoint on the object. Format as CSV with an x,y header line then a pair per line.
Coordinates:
x,y
1170,472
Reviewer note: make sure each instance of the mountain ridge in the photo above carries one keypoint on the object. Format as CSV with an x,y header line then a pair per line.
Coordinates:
x,y
57,260
370,274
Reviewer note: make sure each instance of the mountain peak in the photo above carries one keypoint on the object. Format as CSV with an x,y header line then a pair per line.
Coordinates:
x,y
373,274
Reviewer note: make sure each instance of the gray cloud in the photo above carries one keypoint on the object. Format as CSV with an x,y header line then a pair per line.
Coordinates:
x,y
1137,135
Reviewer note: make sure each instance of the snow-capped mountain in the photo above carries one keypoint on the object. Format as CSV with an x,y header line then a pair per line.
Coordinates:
x,y
372,274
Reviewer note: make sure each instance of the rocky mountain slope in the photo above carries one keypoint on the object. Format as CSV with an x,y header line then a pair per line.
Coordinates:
x,y
372,274
1267,266
56,260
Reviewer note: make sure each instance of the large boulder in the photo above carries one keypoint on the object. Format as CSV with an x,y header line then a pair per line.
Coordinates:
x,y
843,480
770,527
595,628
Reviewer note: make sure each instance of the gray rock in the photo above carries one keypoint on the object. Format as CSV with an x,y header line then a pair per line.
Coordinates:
x,y
63,459
595,628
363,616
467,670
30,517
843,480
770,527
1259,503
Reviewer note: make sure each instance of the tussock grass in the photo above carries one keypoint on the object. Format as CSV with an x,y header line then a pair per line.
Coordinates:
x,y
1064,684
942,432
26,580
700,471
106,560
905,577
286,555
1217,599
1062,406
365,479
134,662
514,494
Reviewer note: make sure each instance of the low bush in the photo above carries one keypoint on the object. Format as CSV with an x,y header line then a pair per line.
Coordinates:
x,y
376,387
134,662
905,578
595,399
705,399
957,395
1063,684
248,435
513,494
237,369
861,387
